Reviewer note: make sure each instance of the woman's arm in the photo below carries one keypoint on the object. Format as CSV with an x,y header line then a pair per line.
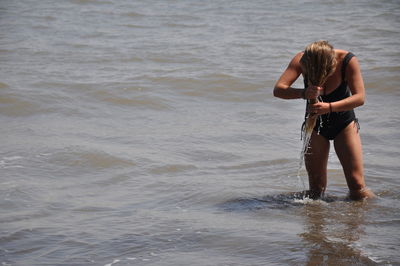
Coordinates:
x,y
356,85
282,87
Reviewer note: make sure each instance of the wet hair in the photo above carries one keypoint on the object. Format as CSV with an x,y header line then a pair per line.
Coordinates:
x,y
318,62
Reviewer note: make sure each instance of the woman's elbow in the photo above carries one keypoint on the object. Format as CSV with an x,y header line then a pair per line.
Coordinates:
x,y
276,92
362,100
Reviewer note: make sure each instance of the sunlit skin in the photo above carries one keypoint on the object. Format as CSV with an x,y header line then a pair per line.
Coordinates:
x,y
347,144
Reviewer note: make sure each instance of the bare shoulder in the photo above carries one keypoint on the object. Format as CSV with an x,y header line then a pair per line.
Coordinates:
x,y
295,62
340,54
298,56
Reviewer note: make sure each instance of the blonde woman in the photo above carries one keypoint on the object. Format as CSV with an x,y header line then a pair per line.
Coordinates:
x,y
333,88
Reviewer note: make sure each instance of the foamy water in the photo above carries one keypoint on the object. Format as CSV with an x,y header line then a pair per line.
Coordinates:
x,y
146,133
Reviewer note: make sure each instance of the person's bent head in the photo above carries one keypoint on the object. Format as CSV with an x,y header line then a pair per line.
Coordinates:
x,y
318,62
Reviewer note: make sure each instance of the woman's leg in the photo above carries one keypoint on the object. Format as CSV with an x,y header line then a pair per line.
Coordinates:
x,y
349,151
316,161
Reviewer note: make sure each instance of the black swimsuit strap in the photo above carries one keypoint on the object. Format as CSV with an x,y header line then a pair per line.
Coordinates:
x,y
346,61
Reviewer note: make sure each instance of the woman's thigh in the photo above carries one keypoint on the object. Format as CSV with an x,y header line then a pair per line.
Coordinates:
x,y
349,151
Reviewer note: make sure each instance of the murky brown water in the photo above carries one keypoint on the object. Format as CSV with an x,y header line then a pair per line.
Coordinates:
x,y
145,133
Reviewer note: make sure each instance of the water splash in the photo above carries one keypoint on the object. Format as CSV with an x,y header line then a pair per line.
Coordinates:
x,y
306,137
306,141
306,132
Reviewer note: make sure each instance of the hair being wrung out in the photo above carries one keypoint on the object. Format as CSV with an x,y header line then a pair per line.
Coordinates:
x,y
318,63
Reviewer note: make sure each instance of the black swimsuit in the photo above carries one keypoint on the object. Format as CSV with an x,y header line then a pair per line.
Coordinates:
x,y
331,124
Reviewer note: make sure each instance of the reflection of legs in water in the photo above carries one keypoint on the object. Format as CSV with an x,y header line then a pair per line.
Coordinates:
x,y
327,234
314,235
316,161
349,151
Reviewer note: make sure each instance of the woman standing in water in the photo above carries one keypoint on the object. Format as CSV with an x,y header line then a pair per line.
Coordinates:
x,y
334,77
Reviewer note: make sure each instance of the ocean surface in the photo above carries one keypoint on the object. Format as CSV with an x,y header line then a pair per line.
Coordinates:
x,y
146,133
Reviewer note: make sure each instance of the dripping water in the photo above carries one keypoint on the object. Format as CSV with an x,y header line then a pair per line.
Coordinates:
x,y
306,133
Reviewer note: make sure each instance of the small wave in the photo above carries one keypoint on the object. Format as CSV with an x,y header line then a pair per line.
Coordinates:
x,y
182,25
280,201
135,101
127,260
175,58
138,26
394,69
83,2
172,168
89,159
12,105
26,216
391,222
134,14
211,155
113,262
18,235
223,83
12,158
87,209
132,59
219,86
385,83
10,162
3,85
140,101
383,32
256,164
109,181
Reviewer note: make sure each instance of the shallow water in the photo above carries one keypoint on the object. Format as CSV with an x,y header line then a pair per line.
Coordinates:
x,y
145,133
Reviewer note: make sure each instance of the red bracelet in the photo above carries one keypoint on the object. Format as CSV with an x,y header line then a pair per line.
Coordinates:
x,y
330,107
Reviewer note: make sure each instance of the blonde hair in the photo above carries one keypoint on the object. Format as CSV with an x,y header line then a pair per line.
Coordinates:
x,y
318,62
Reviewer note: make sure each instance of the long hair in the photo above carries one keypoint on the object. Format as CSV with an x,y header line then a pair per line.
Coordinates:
x,y
318,63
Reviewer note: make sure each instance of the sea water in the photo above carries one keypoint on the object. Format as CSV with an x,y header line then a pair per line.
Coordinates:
x,y
146,133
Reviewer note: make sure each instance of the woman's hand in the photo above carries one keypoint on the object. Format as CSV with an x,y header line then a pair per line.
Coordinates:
x,y
312,92
319,108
